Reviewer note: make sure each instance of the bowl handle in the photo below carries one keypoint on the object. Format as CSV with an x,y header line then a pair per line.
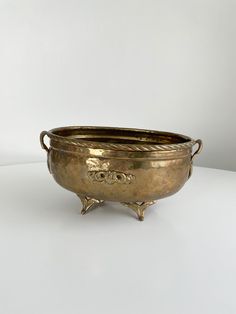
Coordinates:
x,y
43,145
199,142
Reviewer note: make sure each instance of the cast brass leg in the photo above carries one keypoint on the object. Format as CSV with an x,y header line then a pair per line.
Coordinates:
x,y
88,203
139,207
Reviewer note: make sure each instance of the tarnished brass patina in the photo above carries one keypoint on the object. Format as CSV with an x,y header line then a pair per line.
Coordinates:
x,y
132,166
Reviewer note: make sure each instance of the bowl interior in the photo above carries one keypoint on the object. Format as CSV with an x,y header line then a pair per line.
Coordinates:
x,y
120,135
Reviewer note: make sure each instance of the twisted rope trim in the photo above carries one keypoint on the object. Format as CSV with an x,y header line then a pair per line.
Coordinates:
x,y
121,147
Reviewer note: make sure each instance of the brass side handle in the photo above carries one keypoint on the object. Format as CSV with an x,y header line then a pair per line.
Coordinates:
x,y
199,142
43,145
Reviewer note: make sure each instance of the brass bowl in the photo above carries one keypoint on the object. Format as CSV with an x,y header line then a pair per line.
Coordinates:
x,y
132,166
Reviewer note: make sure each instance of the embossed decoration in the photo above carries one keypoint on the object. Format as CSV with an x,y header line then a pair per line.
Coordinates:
x,y
111,177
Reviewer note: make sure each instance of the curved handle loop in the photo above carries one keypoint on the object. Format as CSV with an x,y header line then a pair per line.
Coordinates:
x,y
199,142
43,145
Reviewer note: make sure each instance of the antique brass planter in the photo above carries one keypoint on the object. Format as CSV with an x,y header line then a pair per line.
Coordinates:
x,y
132,166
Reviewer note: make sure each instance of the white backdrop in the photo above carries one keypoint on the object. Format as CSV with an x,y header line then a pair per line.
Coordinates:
x,y
164,64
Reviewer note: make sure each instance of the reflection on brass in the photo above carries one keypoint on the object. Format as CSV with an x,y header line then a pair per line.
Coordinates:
x,y
111,177
132,166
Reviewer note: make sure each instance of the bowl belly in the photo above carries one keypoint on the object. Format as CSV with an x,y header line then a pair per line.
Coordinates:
x,y
120,176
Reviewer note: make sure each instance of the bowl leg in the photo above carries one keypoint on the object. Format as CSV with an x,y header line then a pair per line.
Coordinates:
x,y
88,203
139,207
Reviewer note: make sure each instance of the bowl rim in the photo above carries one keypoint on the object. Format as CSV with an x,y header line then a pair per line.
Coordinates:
x,y
83,143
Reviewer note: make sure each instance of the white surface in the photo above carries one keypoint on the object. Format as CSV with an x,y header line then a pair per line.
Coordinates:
x,y
164,64
180,260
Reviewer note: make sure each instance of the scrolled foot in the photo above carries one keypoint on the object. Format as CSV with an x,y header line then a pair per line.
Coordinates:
x,y
88,203
139,207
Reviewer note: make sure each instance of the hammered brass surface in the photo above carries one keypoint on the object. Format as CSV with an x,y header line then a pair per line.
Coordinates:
x,y
131,166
